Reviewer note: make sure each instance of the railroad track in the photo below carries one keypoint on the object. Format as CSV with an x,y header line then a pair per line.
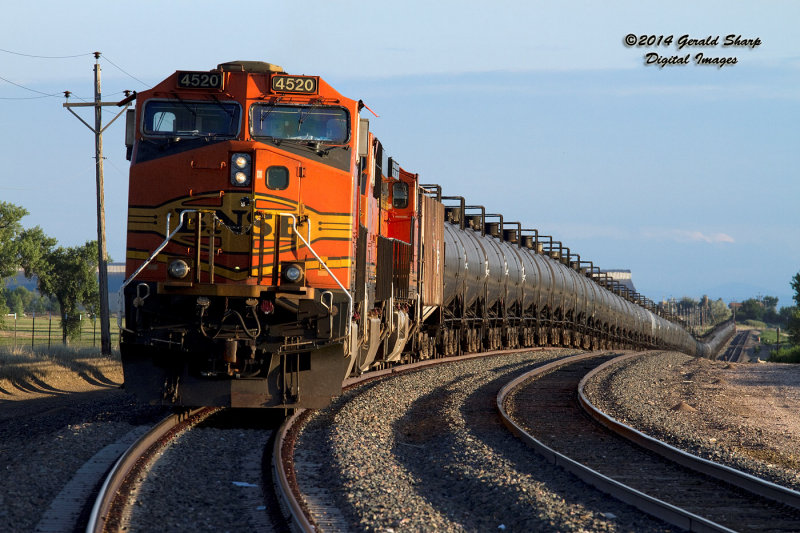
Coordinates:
x,y
108,507
734,350
317,510
110,511
204,494
547,410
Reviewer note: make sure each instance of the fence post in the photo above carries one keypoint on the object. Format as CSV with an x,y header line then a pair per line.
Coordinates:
x,y
15,331
49,329
33,329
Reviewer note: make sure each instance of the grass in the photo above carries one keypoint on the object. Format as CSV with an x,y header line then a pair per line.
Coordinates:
x,y
769,336
45,330
23,363
786,355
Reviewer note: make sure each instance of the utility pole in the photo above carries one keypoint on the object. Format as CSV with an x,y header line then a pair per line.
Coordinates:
x,y
102,258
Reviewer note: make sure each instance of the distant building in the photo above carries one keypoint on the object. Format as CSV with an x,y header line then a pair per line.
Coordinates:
x,y
116,277
621,276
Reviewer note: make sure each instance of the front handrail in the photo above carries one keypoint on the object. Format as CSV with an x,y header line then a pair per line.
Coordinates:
x,y
157,251
321,262
171,234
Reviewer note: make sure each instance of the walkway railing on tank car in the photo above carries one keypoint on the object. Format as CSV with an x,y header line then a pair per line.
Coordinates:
x,y
432,189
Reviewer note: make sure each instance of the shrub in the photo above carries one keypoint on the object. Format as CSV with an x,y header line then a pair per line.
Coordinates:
x,y
786,355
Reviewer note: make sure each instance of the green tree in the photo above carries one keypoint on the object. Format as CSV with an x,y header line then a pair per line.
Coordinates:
x,y
770,302
16,301
793,325
10,228
69,275
785,313
719,311
687,302
751,309
18,246
796,286
3,307
33,251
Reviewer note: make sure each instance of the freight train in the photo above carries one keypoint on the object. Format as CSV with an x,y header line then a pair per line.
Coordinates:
x,y
274,248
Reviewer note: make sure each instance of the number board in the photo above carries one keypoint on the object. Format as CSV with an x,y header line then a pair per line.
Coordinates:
x,y
199,80
294,84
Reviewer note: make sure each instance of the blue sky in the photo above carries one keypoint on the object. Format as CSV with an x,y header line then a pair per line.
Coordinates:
x,y
686,174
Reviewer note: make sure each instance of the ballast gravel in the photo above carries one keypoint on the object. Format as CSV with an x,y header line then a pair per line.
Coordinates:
x,y
45,441
207,479
426,451
741,414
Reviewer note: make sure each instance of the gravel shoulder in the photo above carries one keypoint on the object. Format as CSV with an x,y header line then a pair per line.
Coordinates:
x,y
54,418
426,451
741,414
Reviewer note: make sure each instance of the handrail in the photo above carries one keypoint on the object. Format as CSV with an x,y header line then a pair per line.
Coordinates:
x,y
170,235
321,262
157,251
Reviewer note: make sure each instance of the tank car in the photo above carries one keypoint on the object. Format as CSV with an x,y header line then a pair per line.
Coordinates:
x,y
274,248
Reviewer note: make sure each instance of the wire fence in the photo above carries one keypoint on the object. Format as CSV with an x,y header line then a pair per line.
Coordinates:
x,y
45,330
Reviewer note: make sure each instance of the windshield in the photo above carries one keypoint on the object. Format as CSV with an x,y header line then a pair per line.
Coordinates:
x,y
190,119
309,123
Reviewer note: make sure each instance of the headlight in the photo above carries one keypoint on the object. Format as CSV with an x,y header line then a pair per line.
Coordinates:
x,y
178,269
292,273
241,169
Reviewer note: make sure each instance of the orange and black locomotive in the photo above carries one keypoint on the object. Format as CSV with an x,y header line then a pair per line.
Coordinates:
x,y
274,248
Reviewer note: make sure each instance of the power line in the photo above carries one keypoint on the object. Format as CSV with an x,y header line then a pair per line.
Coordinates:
x,y
43,57
123,71
47,95
29,89
26,97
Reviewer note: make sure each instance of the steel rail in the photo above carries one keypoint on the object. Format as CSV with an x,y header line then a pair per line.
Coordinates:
x,y
296,516
737,478
736,347
287,497
130,460
658,508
